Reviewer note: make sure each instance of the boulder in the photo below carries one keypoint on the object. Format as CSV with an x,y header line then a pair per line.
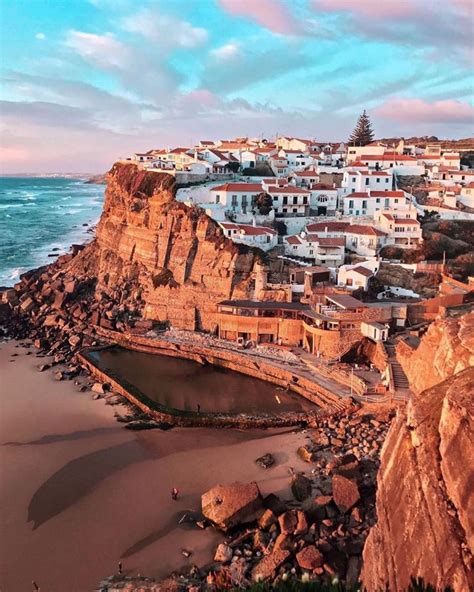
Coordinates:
x,y
266,461
300,487
266,568
305,454
98,387
223,553
345,492
293,522
267,519
309,558
230,505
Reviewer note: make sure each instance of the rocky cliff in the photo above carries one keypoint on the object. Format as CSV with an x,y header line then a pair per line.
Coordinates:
x,y
425,501
446,348
156,254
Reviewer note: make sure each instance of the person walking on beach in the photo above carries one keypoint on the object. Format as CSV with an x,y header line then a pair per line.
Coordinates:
x,y
174,494
35,586
120,568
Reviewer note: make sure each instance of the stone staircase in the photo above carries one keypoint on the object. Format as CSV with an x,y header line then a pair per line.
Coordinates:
x,y
400,380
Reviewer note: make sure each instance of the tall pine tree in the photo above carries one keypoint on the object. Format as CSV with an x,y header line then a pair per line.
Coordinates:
x,y
363,133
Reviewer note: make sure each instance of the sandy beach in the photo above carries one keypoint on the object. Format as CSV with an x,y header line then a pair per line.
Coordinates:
x,y
78,492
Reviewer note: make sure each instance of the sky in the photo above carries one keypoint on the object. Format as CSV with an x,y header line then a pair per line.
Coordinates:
x,y
85,82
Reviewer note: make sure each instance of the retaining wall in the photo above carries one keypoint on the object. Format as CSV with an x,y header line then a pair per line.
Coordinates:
x,y
327,402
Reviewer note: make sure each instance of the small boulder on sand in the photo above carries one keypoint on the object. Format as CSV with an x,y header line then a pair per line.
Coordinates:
x,y
345,492
230,505
223,553
300,487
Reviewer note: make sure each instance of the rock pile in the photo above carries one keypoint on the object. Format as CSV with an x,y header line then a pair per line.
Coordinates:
x,y
319,534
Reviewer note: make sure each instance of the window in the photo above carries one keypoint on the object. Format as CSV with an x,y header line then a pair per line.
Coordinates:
x,y
353,179
377,200
351,204
367,181
364,204
275,198
295,199
386,180
396,200
234,201
305,199
295,210
285,199
295,247
378,179
218,198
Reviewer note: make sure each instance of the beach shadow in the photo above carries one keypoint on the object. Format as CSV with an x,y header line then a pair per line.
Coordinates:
x,y
80,476
53,438
158,534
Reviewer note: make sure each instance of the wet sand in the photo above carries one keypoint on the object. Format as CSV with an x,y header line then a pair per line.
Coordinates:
x,y
78,492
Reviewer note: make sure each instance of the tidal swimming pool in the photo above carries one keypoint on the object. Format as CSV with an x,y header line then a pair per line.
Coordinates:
x,y
184,384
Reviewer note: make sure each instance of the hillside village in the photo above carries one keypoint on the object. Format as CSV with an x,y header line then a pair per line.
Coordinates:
x,y
341,231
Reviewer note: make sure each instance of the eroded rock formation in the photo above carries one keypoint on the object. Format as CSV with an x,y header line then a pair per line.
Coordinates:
x,y
446,348
170,259
425,484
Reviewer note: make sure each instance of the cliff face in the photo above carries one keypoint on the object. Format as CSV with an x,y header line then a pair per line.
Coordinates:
x,y
169,260
446,348
425,501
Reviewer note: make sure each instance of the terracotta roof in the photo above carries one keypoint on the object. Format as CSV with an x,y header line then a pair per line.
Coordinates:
x,y
305,174
364,230
293,240
330,226
358,194
178,150
362,271
411,221
238,187
387,194
388,216
249,229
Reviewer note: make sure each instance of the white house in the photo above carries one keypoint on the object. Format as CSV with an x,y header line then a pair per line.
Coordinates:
x,y
321,250
402,232
354,181
354,277
364,240
304,178
279,165
466,197
367,203
289,200
297,159
323,199
236,197
356,152
251,235
289,143
360,238
400,164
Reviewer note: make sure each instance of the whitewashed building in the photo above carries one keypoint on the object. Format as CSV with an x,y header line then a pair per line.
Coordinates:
x,y
368,203
236,197
325,251
251,235
356,181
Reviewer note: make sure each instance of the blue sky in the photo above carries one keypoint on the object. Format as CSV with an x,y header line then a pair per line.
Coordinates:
x,y
87,81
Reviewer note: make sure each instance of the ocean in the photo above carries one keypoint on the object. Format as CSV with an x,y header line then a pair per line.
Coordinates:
x,y
40,216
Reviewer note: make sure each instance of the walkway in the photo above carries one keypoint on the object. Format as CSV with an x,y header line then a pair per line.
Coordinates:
x,y
400,380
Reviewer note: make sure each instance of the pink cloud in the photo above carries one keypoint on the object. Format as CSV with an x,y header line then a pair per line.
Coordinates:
x,y
270,14
418,110
372,8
